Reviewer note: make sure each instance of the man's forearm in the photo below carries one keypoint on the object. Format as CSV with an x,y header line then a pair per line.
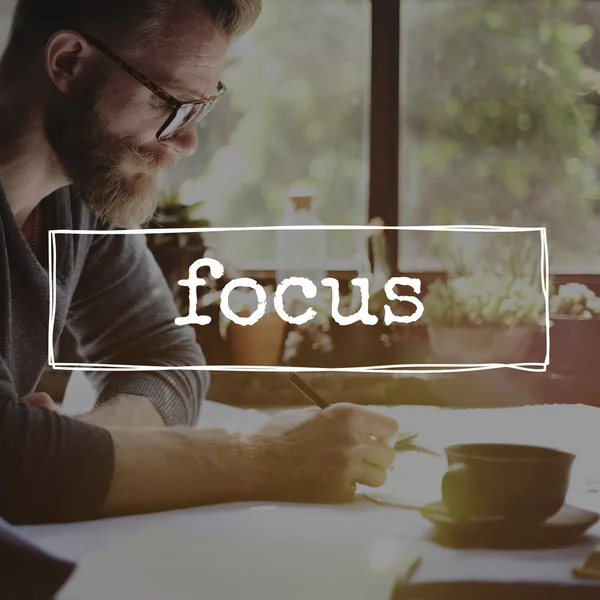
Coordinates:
x,y
124,411
180,467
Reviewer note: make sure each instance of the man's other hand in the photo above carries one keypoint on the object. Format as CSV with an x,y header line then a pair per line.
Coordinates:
x,y
42,400
316,455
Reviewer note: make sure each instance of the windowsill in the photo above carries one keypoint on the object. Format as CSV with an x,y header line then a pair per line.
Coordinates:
x,y
485,389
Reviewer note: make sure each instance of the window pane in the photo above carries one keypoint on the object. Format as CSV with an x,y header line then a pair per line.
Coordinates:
x,y
296,110
500,123
6,9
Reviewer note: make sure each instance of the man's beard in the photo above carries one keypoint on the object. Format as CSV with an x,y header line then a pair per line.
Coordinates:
x,y
94,161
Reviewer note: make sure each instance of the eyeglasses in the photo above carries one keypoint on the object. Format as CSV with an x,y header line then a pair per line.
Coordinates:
x,y
184,113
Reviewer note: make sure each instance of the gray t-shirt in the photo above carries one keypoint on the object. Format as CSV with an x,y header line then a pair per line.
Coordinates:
x,y
113,298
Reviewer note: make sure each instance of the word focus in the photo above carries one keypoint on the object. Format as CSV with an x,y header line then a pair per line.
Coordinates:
x,y
309,289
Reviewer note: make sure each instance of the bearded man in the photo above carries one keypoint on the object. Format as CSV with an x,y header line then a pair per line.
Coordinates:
x,y
96,96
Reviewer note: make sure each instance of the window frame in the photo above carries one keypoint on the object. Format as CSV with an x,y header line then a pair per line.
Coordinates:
x,y
384,178
384,198
384,123
385,187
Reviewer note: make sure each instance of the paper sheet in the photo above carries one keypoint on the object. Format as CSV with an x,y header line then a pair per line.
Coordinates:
x,y
214,415
416,477
173,563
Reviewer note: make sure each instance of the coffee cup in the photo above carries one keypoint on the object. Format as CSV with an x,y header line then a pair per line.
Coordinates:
x,y
522,483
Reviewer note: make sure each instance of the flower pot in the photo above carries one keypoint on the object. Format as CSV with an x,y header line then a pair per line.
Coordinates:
x,y
216,350
358,345
574,345
480,344
406,345
258,344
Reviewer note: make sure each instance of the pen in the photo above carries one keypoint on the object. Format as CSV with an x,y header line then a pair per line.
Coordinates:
x,y
307,391
405,441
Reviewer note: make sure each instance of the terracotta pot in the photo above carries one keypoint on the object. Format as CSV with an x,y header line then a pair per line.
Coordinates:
x,y
258,344
480,344
358,345
573,345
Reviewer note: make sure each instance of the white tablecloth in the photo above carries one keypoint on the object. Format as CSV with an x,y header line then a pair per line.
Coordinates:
x,y
353,551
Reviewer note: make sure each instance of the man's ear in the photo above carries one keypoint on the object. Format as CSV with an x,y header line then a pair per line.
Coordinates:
x,y
66,55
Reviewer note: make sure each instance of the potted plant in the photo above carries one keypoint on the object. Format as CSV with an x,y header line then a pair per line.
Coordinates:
x,y
257,344
175,252
483,318
322,342
575,329
360,345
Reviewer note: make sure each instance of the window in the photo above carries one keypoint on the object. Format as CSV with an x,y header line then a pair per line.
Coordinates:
x,y
6,9
500,124
296,111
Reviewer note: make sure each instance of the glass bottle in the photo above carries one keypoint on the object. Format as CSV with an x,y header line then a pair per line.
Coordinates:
x,y
301,253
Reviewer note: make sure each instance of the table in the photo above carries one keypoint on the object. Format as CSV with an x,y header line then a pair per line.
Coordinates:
x,y
356,551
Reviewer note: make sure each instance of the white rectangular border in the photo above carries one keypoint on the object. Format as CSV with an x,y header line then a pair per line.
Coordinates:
x,y
390,369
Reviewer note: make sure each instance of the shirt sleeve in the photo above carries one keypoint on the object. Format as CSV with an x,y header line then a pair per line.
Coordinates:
x,y
123,313
52,468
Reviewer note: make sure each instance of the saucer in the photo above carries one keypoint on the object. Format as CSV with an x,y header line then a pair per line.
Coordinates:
x,y
568,524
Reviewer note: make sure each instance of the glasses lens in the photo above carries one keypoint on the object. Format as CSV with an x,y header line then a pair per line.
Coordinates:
x,y
186,115
183,117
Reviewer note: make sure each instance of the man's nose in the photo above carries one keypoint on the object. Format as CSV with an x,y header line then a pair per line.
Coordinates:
x,y
186,142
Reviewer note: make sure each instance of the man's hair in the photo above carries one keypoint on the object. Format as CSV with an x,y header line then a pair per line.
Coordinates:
x,y
128,23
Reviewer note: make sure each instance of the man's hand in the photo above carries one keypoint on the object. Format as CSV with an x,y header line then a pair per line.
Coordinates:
x,y
320,455
41,399
309,455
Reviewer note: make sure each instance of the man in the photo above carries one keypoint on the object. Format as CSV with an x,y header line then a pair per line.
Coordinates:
x,y
82,132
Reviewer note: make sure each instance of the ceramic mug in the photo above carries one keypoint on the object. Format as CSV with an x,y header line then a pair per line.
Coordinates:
x,y
522,483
